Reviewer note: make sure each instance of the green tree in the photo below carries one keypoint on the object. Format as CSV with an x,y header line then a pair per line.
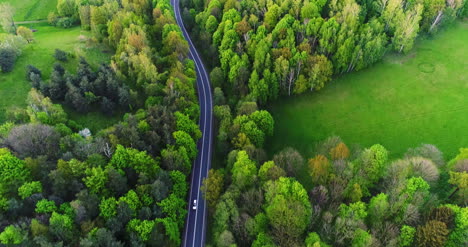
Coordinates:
x,y
288,209
406,29
182,139
66,8
378,208
61,226
406,235
96,180
184,123
142,227
244,170
361,239
313,240
140,161
213,186
12,235
45,206
108,207
27,189
13,173
264,121
26,33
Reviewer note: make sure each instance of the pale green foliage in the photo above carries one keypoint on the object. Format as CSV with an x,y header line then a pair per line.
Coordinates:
x,y
406,235
263,171
12,173
183,139
108,207
355,211
244,170
138,160
459,234
27,189
95,180
142,227
11,236
378,208
313,240
287,208
45,206
361,239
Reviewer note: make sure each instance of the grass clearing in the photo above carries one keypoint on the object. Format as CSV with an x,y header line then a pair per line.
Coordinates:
x,y
31,10
14,87
401,102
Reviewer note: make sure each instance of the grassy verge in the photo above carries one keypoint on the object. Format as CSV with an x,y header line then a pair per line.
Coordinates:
x,y
401,102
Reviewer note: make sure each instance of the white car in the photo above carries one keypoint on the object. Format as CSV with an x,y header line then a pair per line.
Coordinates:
x,y
194,206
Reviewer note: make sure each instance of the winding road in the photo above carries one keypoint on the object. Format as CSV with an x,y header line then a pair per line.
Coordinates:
x,y
195,228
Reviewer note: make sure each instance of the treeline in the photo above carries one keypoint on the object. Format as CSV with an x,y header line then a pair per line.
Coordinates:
x,y
125,185
347,198
271,48
86,90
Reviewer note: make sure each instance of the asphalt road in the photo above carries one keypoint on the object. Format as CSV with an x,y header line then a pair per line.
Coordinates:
x,y
195,228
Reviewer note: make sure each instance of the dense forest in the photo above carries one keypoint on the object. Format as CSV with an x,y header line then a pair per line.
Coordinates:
x,y
60,184
341,196
126,185
352,198
284,47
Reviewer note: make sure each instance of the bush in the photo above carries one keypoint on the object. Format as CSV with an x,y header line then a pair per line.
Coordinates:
x,y
31,69
60,55
7,59
52,18
65,22
26,33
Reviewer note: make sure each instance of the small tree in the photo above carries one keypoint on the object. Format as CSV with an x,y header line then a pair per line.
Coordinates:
x,y
26,33
6,18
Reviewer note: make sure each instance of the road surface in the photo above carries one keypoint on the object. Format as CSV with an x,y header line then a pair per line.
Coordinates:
x,y
195,228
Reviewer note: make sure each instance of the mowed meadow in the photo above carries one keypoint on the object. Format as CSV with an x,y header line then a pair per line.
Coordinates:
x,y
401,102
14,87
31,10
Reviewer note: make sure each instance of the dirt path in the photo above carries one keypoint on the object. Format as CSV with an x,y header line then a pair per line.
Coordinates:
x,y
29,22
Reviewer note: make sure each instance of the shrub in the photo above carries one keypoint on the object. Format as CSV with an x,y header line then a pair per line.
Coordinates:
x,y
60,55
32,70
7,59
65,22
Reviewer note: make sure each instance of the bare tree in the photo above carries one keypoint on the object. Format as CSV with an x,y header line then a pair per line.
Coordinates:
x,y
32,140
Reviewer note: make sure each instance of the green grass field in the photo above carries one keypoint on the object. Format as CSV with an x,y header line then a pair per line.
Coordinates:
x,y
31,10
14,87
401,102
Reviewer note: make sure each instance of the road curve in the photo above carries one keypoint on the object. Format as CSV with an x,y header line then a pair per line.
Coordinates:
x,y
195,228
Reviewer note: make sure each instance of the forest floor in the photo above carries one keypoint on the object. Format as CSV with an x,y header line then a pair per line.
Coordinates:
x,y
400,102
30,10
14,87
